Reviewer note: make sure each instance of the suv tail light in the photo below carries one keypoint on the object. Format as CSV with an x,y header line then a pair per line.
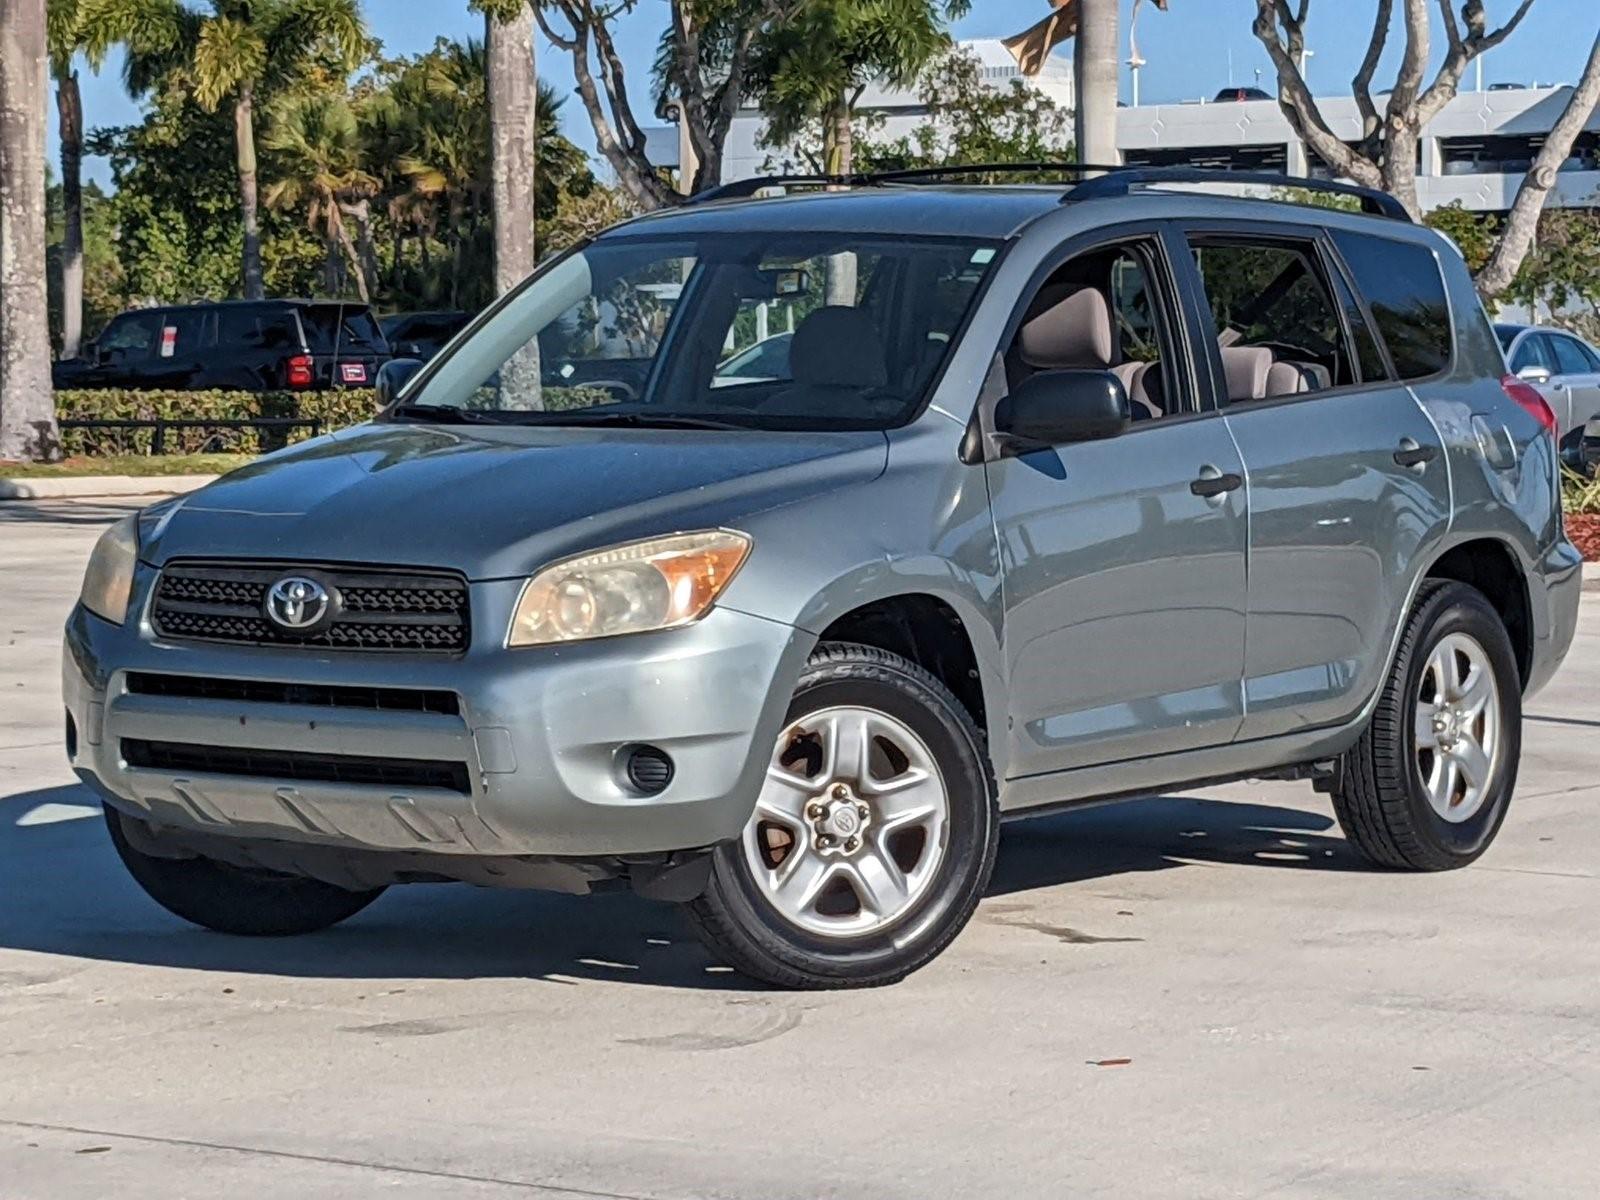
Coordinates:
x,y
1535,405
299,371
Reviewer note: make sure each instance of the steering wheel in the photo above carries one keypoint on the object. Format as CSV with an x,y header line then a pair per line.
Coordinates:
x,y
620,388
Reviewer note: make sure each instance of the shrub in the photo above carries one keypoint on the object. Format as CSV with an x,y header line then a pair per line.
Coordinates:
x,y
1579,495
335,410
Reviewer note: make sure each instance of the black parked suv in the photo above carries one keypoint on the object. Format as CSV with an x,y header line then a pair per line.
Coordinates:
x,y
421,335
247,345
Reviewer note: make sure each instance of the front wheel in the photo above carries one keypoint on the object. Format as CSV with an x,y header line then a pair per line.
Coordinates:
x,y
1427,786
872,839
229,899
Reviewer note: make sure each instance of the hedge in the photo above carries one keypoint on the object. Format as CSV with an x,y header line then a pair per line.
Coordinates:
x,y
335,409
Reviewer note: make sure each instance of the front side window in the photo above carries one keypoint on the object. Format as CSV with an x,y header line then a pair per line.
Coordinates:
x,y
771,330
1405,291
1276,320
1533,351
1105,310
131,337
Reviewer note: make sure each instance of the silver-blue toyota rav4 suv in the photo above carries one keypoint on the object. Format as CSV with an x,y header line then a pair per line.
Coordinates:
x,y
765,554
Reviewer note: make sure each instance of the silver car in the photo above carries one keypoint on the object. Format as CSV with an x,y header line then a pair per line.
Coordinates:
x,y
1565,370
1058,494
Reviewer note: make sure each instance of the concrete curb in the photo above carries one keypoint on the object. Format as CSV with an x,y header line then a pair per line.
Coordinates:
x,y
82,487
1591,576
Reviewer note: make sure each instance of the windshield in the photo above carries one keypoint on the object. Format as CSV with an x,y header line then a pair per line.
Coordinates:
x,y
764,331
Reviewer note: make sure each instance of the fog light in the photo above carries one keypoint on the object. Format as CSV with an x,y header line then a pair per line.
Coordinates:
x,y
649,770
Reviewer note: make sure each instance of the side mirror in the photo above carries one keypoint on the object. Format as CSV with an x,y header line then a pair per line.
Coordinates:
x,y
393,377
1534,374
1055,407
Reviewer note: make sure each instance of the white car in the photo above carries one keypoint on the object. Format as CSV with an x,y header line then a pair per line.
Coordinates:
x,y
1565,370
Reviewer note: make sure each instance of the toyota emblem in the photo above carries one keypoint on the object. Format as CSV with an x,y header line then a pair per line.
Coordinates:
x,y
297,603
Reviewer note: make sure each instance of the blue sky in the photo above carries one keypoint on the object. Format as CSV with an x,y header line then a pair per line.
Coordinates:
x,y
1188,50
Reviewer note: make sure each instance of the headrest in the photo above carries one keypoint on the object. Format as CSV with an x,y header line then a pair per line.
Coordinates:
x,y
1074,333
1246,369
838,347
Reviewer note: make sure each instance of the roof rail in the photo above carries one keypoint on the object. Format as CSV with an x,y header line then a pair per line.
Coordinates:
x,y
1121,181
743,189
1105,181
957,170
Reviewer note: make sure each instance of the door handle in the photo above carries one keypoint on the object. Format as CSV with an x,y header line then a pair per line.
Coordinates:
x,y
1412,454
1212,483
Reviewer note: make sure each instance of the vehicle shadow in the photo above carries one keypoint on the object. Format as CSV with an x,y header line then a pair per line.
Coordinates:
x,y
63,892
69,512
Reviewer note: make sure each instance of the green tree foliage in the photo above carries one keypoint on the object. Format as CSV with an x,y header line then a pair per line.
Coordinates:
x,y
234,56
1473,232
316,150
810,72
970,122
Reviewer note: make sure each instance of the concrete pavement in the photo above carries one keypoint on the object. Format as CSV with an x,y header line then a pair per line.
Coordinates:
x,y
1295,1025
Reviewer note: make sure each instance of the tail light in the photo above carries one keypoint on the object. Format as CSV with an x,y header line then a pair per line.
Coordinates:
x,y
299,371
1531,402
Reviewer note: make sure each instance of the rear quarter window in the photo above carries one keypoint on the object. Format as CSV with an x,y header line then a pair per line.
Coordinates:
x,y
332,328
1405,291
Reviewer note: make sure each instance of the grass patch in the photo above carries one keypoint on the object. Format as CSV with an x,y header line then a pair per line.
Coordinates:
x,y
141,465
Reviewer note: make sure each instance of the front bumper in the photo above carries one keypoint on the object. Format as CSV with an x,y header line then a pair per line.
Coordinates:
x,y
540,733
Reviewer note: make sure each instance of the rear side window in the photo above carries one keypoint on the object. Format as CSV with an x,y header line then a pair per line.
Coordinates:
x,y
1277,323
1405,291
184,332
257,329
335,328
1571,358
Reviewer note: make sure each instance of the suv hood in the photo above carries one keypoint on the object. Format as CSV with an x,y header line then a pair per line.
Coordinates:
x,y
497,502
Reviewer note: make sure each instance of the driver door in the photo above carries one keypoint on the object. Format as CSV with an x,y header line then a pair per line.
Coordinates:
x,y
1123,560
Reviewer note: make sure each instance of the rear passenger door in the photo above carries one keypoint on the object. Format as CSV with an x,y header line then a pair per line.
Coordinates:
x,y
1347,481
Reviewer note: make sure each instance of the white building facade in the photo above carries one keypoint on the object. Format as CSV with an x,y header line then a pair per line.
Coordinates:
x,y
1477,150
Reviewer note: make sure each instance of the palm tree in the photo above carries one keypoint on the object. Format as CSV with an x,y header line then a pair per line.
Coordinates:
x,y
27,406
66,37
1094,63
315,141
448,163
237,53
513,133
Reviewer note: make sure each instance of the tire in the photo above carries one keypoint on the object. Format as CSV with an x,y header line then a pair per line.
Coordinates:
x,y
229,899
944,873
1382,798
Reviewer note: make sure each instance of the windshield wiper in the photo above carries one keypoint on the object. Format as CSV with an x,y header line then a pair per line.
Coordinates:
x,y
446,414
627,420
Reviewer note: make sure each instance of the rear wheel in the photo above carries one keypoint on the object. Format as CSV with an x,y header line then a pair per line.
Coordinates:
x,y
229,899
1427,786
873,837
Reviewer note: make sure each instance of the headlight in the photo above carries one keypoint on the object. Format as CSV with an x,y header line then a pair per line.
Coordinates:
x,y
108,582
656,584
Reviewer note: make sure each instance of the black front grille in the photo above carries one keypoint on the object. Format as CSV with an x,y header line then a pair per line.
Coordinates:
x,y
375,609
184,757
257,691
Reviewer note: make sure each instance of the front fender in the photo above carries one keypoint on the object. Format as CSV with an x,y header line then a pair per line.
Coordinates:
x,y
922,528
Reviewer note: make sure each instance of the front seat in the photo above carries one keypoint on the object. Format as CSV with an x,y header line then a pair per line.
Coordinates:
x,y
1075,334
836,357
